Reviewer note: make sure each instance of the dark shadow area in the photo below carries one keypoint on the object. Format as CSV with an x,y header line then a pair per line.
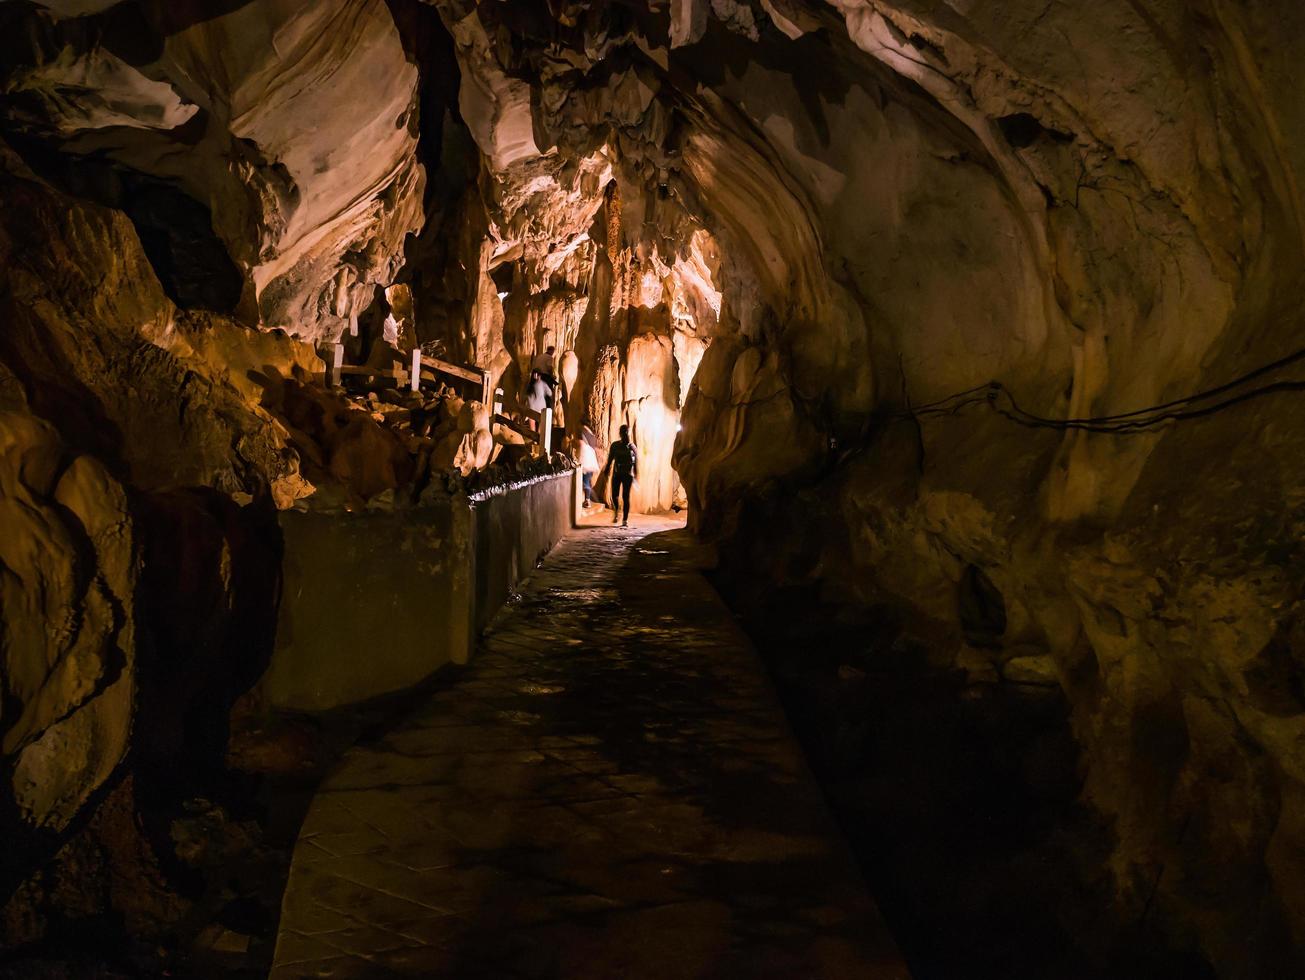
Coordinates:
x,y
661,712
197,831
960,800
176,231
134,30
441,289
174,849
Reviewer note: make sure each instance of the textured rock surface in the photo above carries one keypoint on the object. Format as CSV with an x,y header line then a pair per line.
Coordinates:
x,y
70,570
1096,206
285,133
137,589
758,233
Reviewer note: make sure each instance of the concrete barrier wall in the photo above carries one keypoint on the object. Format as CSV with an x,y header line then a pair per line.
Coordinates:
x,y
513,530
374,603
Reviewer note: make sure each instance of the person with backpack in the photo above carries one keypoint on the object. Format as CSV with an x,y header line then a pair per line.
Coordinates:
x,y
623,461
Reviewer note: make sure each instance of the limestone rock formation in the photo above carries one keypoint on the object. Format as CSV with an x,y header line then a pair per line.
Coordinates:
x,y
883,288
70,570
182,118
1094,206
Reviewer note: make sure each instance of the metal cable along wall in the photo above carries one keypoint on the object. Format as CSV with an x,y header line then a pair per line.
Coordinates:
x,y
1203,403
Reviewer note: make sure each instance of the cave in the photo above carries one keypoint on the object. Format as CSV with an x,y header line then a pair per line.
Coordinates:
x,y
950,623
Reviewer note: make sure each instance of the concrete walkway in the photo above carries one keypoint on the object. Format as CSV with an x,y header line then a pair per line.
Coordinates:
x,y
609,791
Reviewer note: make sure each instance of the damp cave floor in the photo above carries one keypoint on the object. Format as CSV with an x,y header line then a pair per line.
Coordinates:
x,y
609,790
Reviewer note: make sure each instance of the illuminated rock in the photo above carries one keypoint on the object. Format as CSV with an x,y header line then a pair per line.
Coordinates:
x,y
789,244
69,554
290,129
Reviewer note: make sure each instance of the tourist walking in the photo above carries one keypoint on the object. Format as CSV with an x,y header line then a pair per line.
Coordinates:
x,y
623,461
537,397
545,365
588,469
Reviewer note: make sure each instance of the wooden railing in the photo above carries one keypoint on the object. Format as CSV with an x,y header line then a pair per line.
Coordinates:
x,y
544,419
457,372
423,367
336,369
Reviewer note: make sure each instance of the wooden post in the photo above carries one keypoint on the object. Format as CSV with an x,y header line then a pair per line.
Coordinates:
x,y
484,388
498,401
546,431
333,368
415,380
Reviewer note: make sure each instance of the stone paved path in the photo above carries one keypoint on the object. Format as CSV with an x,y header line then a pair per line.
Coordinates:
x,y
608,791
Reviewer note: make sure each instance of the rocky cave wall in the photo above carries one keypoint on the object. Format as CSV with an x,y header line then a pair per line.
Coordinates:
x,y
570,243
192,197
1099,236
141,558
284,134
791,229
172,243
1096,207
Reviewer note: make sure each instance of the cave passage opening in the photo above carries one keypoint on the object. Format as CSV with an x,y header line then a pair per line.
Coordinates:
x,y
617,309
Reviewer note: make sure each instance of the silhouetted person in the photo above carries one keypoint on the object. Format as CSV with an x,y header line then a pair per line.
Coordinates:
x,y
623,461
